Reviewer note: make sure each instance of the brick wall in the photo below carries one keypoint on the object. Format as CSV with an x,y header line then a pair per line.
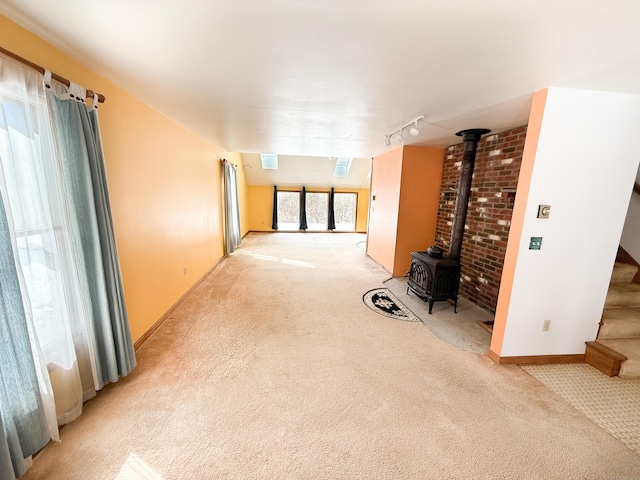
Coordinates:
x,y
493,190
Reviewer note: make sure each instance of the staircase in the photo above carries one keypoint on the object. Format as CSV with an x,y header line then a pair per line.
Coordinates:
x,y
616,351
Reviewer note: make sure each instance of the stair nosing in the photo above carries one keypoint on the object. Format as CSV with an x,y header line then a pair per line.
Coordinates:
x,y
606,350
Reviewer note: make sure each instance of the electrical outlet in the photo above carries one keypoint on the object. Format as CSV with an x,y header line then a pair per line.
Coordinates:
x,y
546,325
185,269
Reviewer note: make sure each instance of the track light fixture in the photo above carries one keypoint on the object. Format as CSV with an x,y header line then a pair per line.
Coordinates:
x,y
399,137
414,130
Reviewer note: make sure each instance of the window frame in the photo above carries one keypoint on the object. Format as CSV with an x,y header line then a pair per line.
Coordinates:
x,y
355,213
285,227
326,218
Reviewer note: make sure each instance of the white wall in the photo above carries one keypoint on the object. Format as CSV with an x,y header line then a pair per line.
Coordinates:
x,y
586,161
630,240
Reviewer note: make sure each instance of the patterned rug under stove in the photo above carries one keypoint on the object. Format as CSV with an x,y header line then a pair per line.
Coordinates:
x,y
382,301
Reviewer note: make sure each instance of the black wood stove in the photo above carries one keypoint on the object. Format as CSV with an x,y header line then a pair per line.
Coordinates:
x,y
433,277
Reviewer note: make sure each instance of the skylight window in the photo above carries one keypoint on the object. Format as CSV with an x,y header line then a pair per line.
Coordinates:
x,y
343,165
269,161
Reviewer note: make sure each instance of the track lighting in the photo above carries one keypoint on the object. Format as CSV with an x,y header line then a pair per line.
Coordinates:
x,y
399,137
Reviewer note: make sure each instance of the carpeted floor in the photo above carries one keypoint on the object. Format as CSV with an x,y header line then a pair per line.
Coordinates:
x,y
275,369
613,403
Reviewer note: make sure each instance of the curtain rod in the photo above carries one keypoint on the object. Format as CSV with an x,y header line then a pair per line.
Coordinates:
x,y
40,69
224,160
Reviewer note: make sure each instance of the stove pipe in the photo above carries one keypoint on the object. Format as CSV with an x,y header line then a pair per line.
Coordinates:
x,y
470,138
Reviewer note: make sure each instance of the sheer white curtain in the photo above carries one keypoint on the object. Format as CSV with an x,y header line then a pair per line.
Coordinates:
x,y
46,259
232,237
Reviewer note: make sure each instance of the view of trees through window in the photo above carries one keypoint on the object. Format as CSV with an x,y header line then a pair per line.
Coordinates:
x,y
317,204
344,206
317,211
288,210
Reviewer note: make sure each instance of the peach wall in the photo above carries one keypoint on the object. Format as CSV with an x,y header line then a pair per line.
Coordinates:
x,y
260,201
386,176
419,200
517,219
362,212
164,184
403,216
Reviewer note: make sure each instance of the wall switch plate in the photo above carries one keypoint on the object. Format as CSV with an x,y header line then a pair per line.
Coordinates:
x,y
543,211
546,325
535,243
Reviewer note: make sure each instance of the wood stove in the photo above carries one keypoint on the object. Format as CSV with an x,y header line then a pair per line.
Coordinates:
x,y
432,277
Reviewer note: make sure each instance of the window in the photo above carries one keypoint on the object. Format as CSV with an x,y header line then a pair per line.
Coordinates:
x,y
35,209
269,161
343,165
288,210
344,207
317,211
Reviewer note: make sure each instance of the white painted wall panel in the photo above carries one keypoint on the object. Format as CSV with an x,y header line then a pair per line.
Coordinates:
x,y
585,165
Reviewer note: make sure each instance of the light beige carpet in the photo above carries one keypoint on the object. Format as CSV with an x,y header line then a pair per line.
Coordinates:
x,y
611,402
275,369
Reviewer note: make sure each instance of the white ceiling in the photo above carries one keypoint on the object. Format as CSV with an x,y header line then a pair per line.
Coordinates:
x,y
294,171
331,77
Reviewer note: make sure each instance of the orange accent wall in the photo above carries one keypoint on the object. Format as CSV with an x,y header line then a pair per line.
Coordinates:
x,y
406,186
362,210
260,201
419,201
517,220
386,176
164,185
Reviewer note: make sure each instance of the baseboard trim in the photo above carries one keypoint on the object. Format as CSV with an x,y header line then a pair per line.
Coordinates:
x,y
158,323
536,359
302,231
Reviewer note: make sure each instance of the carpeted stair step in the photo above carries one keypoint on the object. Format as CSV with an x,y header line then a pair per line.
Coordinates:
x,y
623,295
623,272
630,348
620,323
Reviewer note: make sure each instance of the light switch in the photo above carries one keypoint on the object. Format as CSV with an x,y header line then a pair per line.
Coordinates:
x,y
535,243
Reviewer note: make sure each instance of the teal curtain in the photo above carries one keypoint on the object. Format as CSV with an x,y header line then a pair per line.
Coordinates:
x,y
77,134
22,416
